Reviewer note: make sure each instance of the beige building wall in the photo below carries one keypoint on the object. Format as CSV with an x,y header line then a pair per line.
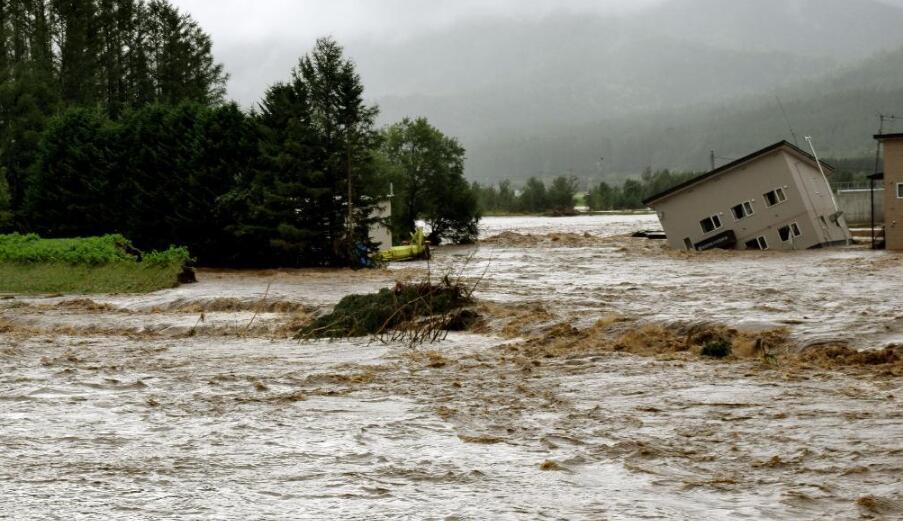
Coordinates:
x,y
893,205
828,223
808,199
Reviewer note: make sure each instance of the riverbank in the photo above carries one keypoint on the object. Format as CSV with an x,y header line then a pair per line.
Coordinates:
x,y
30,265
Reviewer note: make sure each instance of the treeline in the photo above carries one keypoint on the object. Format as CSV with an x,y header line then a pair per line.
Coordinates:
x,y
535,197
631,193
110,54
561,195
113,122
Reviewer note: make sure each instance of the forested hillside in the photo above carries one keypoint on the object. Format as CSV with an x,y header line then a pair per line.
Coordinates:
x,y
839,111
657,88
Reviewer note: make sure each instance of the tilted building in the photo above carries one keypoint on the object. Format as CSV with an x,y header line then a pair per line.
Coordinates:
x,y
774,199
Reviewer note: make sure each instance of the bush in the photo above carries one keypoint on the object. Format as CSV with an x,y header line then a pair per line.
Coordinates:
x,y
88,251
107,264
717,349
174,256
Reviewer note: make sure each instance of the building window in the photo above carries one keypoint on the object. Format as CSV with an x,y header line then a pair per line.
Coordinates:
x,y
742,210
710,224
899,190
791,231
776,196
758,243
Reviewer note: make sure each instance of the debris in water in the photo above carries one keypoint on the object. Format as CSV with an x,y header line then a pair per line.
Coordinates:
x,y
550,465
481,439
717,349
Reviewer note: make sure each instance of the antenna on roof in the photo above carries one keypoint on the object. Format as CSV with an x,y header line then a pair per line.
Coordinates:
x,y
814,154
822,170
787,120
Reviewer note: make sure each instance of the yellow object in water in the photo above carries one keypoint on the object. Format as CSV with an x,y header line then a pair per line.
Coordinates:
x,y
417,249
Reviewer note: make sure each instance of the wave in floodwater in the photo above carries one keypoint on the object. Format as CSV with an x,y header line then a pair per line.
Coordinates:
x,y
547,413
850,296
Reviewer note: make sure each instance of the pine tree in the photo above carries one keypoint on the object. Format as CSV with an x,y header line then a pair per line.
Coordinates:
x,y
283,202
345,125
182,67
72,178
76,29
27,93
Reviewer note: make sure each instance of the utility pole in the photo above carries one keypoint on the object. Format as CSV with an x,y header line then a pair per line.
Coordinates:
x,y
351,248
881,118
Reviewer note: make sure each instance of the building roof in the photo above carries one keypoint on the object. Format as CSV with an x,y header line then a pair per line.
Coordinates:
x,y
735,164
883,137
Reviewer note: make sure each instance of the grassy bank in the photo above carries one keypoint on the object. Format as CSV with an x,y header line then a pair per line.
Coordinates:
x,y
108,264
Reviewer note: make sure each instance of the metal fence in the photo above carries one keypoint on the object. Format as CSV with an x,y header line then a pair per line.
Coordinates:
x,y
859,185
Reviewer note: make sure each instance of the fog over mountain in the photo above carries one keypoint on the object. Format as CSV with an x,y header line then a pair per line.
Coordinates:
x,y
540,88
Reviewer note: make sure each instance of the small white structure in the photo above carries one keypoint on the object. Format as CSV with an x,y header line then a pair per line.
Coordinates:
x,y
380,232
777,198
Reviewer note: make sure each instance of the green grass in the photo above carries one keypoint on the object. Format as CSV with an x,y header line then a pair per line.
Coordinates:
x,y
31,279
108,264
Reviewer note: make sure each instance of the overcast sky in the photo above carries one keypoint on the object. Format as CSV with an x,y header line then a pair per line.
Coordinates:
x,y
259,41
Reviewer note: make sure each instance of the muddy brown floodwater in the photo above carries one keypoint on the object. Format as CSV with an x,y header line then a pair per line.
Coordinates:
x,y
582,396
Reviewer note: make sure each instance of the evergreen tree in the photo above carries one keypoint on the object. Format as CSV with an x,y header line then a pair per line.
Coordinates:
x,y
76,30
6,213
601,197
561,194
313,195
349,188
182,67
279,210
507,197
226,152
27,91
632,194
534,198
72,178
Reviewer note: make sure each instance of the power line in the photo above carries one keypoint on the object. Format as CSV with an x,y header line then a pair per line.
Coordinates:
x,y
787,120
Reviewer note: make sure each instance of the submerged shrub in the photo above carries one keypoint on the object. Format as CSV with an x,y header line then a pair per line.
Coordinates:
x,y
717,348
376,313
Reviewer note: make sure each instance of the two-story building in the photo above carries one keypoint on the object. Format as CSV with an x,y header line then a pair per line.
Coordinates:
x,y
777,198
893,190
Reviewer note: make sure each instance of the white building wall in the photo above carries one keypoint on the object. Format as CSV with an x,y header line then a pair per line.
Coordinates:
x,y
380,232
807,200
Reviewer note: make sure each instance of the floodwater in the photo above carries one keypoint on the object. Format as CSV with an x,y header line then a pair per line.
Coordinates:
x,y
195,403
